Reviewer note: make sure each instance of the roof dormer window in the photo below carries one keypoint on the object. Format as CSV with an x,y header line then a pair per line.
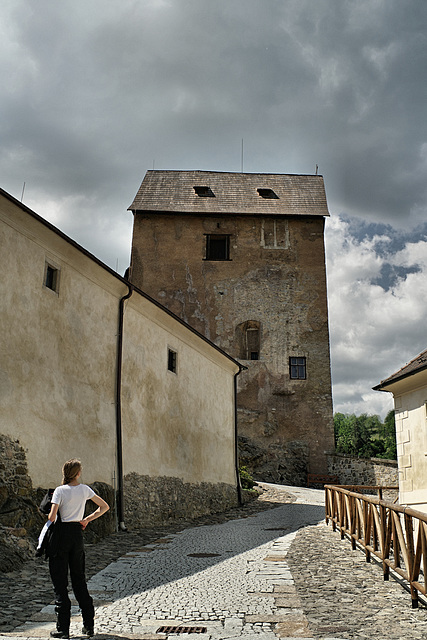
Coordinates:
x,y
268,194
204,192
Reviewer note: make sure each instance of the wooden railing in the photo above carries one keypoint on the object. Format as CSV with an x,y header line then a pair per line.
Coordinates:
x,y
396,535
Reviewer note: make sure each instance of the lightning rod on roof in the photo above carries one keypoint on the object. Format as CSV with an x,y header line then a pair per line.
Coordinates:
x,y
22,194
317,169
241,163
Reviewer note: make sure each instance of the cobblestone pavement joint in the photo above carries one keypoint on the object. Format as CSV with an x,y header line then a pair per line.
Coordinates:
x,y
278,573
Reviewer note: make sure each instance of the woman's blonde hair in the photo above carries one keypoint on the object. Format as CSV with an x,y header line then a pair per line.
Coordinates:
x,y
71,470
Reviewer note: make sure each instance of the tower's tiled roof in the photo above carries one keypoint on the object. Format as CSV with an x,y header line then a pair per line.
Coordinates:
x,y
417,364
231,193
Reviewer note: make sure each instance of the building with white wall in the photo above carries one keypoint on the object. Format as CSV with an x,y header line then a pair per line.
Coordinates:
x,y
92,367
409,389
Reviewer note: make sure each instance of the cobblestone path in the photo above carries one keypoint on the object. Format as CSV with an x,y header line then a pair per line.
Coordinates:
x,y
344,596
264,574
23,593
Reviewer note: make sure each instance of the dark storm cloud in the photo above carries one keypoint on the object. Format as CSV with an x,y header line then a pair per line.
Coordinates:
x,y
337,83
96,93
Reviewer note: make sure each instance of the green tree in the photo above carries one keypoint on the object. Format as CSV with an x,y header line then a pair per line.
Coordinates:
x,y
365,436
345,433
388,436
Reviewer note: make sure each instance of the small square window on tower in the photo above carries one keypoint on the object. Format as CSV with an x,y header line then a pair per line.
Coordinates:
x,y
51,277
172,361
297,368
217,247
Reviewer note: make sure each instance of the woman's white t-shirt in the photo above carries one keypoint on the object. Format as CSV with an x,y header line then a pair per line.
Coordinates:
x,y
72,500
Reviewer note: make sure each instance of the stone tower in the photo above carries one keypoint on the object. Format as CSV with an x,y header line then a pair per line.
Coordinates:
x,y
240,257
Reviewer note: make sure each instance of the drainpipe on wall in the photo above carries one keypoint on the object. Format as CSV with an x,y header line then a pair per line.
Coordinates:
x,y
236,449
120,497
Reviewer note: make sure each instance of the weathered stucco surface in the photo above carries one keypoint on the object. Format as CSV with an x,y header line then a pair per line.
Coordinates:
x,y
57,353
179,424
276,277
58,363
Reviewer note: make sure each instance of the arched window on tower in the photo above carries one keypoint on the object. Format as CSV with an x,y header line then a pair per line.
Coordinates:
x,y
248,340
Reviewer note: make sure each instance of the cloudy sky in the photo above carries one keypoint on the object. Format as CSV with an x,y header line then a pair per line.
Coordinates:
x,y
95,93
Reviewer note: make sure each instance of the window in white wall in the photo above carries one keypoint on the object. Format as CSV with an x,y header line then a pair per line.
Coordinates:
x,y
172,361
51,277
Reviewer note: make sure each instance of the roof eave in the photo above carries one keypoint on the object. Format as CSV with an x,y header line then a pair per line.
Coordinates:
x,y
289,214
389,381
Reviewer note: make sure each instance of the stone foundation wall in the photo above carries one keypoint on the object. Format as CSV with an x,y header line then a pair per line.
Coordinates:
x,y
106,525
163,500
18,507
13,467
370,471
20,521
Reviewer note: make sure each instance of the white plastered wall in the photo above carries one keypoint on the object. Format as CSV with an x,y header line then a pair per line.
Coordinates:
x,y
58,354
410,398
175,424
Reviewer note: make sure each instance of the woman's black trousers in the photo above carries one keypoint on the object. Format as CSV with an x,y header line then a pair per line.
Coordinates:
x,y
69,554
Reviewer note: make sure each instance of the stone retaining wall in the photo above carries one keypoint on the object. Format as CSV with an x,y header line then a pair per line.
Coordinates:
x,y
13,467
18,511
369,471
17,500
163,500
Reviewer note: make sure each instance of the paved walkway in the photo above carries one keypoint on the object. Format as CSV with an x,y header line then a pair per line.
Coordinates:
x,y
261,577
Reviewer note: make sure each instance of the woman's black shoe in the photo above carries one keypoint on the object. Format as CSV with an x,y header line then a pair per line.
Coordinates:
x,y
88,631
59,634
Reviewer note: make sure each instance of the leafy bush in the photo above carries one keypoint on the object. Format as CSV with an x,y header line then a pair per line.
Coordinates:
x,y
246,479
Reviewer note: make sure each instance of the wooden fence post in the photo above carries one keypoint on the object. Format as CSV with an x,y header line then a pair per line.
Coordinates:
x,y
381,530
410,548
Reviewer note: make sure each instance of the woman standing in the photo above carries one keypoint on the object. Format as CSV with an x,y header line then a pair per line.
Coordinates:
x,y
68,552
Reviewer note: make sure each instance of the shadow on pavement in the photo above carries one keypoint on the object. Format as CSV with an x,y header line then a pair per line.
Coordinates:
x,y
253,524
196,549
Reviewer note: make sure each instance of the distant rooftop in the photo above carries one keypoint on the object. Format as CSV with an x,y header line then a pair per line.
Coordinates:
x,y
214,192
416,365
